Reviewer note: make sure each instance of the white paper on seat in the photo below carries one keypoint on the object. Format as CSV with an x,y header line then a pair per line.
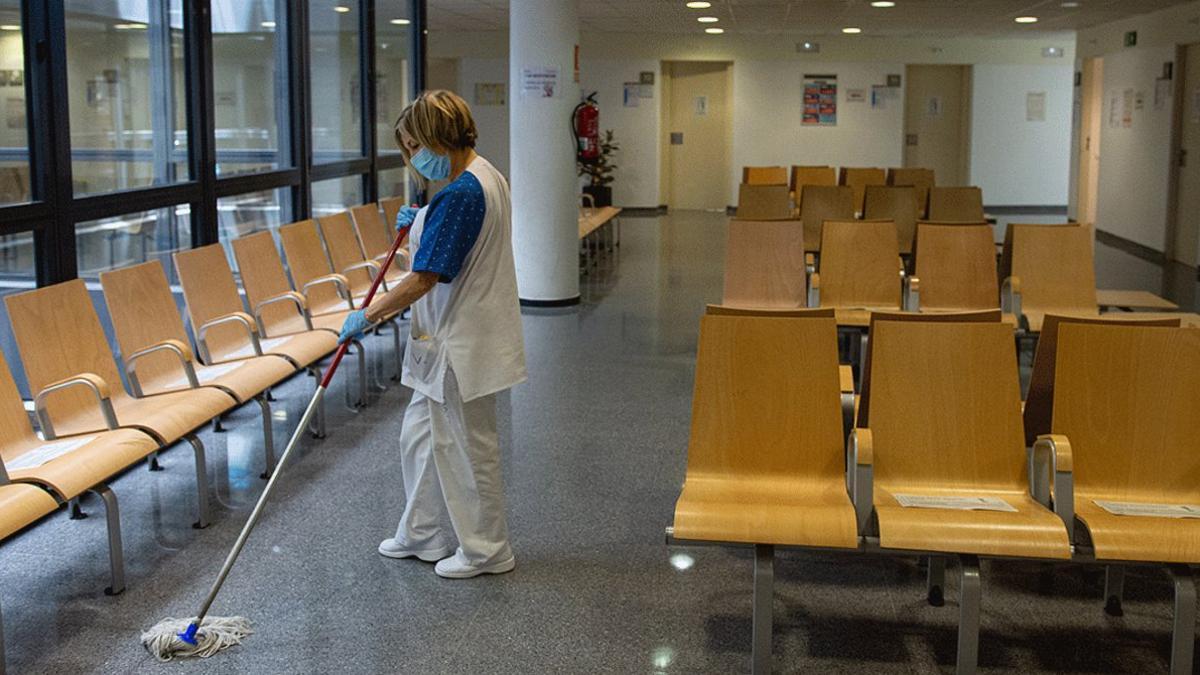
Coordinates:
x,y
44,453
955,503
1153,510
208,373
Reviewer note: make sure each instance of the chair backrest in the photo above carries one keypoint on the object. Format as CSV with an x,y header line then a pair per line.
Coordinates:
x,y
946,406
957,267
864,402
764,264
1126,399
263,277
1039,401
963,204
811,175
210,292
763,202
371,231
1007,247
860,264
766,401
897,204
59,336
820,203
765,175
921,179
144,313
15,430
727,310
391,209
306,260
858,179
344,248
1055,266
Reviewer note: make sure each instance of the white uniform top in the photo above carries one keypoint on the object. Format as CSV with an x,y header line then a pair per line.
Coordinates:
x,y
472,324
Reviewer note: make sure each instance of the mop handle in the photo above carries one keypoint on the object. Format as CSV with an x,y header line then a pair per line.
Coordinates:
x,y
292,443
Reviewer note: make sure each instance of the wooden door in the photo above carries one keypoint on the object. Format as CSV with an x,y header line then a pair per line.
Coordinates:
x,y
698,135
1091,88
1187,162
937,121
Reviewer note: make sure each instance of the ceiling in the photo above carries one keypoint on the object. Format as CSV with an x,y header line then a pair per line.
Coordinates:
x,y
943,18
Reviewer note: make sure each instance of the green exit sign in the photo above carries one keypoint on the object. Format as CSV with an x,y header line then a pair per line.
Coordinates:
x,y
1131,38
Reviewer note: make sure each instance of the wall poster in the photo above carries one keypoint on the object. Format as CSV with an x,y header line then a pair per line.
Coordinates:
x,y
539,82
820,101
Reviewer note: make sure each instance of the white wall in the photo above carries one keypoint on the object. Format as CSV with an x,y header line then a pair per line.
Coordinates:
x,y
1019,162
635,129
767,100
490,121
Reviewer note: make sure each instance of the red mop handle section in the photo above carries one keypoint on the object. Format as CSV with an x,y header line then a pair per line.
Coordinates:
x,y
337,357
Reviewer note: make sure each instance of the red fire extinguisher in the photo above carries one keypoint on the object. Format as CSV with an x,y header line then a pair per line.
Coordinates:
x,y
585,122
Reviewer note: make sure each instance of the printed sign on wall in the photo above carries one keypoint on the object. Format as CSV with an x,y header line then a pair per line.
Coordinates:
x,y
820,101
539,82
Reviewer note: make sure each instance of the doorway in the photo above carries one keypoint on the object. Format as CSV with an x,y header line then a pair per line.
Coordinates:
x,y
699,124
937,121
1091,86
1185,160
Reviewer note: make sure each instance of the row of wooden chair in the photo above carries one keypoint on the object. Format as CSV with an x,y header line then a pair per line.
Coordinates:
x,y
101,414
766,466
858,179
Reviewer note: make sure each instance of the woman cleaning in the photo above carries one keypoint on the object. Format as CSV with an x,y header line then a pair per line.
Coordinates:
x,y
466,346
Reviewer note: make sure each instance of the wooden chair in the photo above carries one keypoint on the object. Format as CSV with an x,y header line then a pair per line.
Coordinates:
x,y
757,472
391,210
1052,272
765,175
945,422
810,175
960,204
957,268
921,179
896,204
78,388
764,202
377,239
324,290
858,180
277,308
346,253
155,349
860,267
820,203
1038,410
764,264
1125,430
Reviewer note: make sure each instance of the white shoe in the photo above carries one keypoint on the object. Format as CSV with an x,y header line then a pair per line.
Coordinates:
x,y
454,568
392,549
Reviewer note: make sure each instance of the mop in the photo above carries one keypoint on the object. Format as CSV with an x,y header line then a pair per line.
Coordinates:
x,y
203,635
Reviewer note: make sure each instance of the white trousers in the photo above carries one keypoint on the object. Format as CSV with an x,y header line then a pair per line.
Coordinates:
x,y
450,456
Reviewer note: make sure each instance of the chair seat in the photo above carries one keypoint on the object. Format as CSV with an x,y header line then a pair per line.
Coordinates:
x,y
303,349
1139,538
243,379
21,505
758,510
103,456
1031,532
167,416
1036,317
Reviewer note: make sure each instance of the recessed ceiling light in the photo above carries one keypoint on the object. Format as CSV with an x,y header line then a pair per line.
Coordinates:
x,y
1026,19
1070,5
714,31
851,31
9,26
130,26
267,24
708,19
341,9
699,5
400,22
883,3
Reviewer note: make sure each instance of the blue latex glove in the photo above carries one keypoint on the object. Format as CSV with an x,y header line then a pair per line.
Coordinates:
x,y
356,324
406,216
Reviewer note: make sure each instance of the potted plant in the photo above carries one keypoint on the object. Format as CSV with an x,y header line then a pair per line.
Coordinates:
x,y
600,171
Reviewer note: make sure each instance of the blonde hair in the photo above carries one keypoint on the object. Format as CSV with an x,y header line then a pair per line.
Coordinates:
x,y
439,120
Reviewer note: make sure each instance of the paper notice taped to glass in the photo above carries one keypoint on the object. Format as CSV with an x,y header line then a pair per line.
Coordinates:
x,y
955,503
44,453
1152,510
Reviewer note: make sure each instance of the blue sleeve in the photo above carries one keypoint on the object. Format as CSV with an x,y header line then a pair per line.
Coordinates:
x,y
452,225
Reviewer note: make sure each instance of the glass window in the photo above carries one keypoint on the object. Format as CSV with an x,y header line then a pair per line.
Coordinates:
x,y
394,183
249,88
336,195
241,215
16,276
393,90
336,88
126,94
111,243
14,137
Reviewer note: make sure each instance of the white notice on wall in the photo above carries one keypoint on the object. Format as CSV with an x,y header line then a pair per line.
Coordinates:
x,y
1127,109
539,82
45,453
1152,510
701,104
955,503
856,95
933,107
1035,106
633,94
1114,109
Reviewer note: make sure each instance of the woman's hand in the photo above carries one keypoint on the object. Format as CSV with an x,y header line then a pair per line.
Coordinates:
x,y
406,216
354,327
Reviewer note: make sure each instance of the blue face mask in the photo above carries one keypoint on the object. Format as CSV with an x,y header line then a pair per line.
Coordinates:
x,y
431,165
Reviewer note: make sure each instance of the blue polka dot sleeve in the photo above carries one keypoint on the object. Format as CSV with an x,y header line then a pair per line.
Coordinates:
x,y
452,225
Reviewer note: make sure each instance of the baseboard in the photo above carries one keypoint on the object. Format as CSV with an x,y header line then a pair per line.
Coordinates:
x,y
1025,210
1131,247
644,211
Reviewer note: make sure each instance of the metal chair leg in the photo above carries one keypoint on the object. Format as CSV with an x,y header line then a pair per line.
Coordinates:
x,y
201,482
153,463
1114,589
2,659
216,425
75,511
116,552
764,596
1183,631
360,356
935,587
969,592
268,435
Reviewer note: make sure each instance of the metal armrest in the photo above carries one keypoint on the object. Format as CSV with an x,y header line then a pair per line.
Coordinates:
x,y
860,472
179,349
912,294
235,317
370,265
810,264
290,296
1010,297
1051,478
814,290
341,285
93,382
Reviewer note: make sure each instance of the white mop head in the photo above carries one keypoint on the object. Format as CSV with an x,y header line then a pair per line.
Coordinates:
x,y
216,633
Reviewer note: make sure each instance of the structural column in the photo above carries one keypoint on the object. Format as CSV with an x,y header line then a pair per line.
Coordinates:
x,y
543,35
